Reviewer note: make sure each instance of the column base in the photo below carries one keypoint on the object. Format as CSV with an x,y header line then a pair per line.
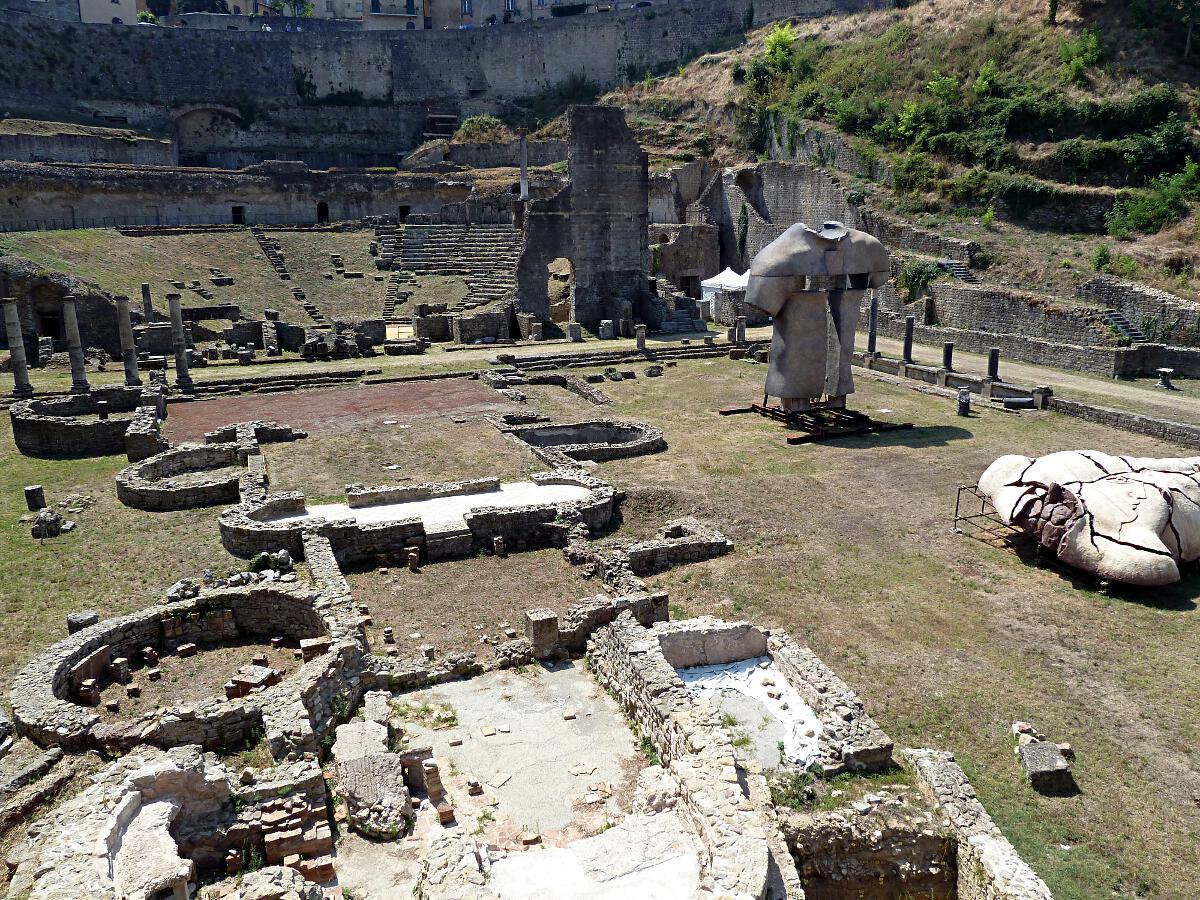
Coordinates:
x,y
22,393
80,387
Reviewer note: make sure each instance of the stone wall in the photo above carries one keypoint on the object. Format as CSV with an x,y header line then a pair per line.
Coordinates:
x,y
989,868
1013,312
689,739
598,222
88,148
66,195
1174,319
70,427
491,156
150,484
688,255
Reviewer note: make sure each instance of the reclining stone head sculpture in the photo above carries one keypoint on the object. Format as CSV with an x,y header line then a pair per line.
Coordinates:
x,y
812,282
1122,518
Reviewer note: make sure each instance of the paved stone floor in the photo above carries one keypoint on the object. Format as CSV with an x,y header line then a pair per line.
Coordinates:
x,y
538,764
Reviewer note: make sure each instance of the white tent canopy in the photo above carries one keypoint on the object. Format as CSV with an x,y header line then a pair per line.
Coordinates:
x,y
727,280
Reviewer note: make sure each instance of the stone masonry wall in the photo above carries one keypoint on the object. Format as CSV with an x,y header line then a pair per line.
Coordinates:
x,y
989,868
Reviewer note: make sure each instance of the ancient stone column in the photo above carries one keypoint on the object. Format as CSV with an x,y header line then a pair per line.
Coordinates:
x,y
741,329
909,323
16,349
35,497
994,364
873,324
524,166
128,350
79,382
179,344
147,306
640,336
948,356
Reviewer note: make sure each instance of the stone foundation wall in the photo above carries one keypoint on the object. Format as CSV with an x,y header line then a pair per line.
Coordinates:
x,y
1177,319
692,744
149,484
989,868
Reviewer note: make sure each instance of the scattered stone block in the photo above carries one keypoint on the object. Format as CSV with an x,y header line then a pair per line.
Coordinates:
x,y
1046,768
186,650
77,621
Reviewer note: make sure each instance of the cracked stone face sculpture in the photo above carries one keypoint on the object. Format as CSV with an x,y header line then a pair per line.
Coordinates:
x,y
1123,518
812,282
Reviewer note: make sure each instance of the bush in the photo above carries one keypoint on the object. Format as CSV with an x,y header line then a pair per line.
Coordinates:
x,y
482,130
1101,258
916,276
985,83
1163,203
779,47
1078,55
916,172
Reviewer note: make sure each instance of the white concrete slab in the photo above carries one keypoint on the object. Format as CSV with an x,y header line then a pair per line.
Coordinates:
x,y
443,511
766,706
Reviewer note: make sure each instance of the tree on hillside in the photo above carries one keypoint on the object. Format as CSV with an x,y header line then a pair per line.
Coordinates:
x,y
300,9
202,6
1188,13
160,8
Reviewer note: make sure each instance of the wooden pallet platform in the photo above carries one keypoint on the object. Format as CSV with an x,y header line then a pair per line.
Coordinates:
x,y
821,423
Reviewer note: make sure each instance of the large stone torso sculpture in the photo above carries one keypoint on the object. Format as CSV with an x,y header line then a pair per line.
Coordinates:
x,y
812,283
1123,518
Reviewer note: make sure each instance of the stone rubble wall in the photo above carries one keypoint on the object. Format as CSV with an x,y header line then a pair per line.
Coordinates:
x,y
689,739
989,868
150,484
143,437
850,739
599,440
41,694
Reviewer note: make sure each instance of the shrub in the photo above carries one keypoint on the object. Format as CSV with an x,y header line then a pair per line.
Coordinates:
x,y
779,47
915,172
1101,258
482,130
916,276
944,87
985,82
988,219
1078,55
1162,204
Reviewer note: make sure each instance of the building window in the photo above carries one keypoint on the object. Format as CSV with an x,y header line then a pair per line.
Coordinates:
x,y
466,7
410,7
510,5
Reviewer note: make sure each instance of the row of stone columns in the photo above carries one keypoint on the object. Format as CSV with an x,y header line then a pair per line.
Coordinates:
x,y
993,366
22,388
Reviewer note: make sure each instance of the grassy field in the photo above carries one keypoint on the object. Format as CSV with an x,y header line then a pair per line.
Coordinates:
x,y
848,545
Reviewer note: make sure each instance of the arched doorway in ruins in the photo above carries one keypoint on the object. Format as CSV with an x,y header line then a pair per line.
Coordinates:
x,y
322,213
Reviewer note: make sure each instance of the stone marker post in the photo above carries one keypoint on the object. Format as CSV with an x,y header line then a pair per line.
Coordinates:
x,y
35,497
873,324
948,356
183,380
79,382
994,364
740,334
964,402
128,350
909,323
147,306
524,165
640,336
16,349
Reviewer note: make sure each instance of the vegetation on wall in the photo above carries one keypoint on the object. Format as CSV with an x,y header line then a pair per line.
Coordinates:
x,y
988,113
482,130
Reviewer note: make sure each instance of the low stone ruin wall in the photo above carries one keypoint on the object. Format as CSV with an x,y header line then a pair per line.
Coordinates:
x,y
689,739
54,427
42,693
152,484
246,531
1177,319
989,867
599,440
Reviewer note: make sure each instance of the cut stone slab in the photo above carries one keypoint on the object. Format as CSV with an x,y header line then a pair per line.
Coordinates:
x,y
376,797
1046,768
358,739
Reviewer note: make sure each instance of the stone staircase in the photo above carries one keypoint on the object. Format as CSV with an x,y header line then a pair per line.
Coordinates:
x,y
440,126
314,312
958,270
1117,321
485,256
399,289
271,250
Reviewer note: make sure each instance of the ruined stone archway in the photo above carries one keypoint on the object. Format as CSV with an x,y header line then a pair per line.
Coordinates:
x,y
201,130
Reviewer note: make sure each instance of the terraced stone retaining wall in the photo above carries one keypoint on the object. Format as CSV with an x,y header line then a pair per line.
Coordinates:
x,y
70,427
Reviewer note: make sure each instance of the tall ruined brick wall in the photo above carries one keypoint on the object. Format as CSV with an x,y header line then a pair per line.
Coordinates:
x,y
68,196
